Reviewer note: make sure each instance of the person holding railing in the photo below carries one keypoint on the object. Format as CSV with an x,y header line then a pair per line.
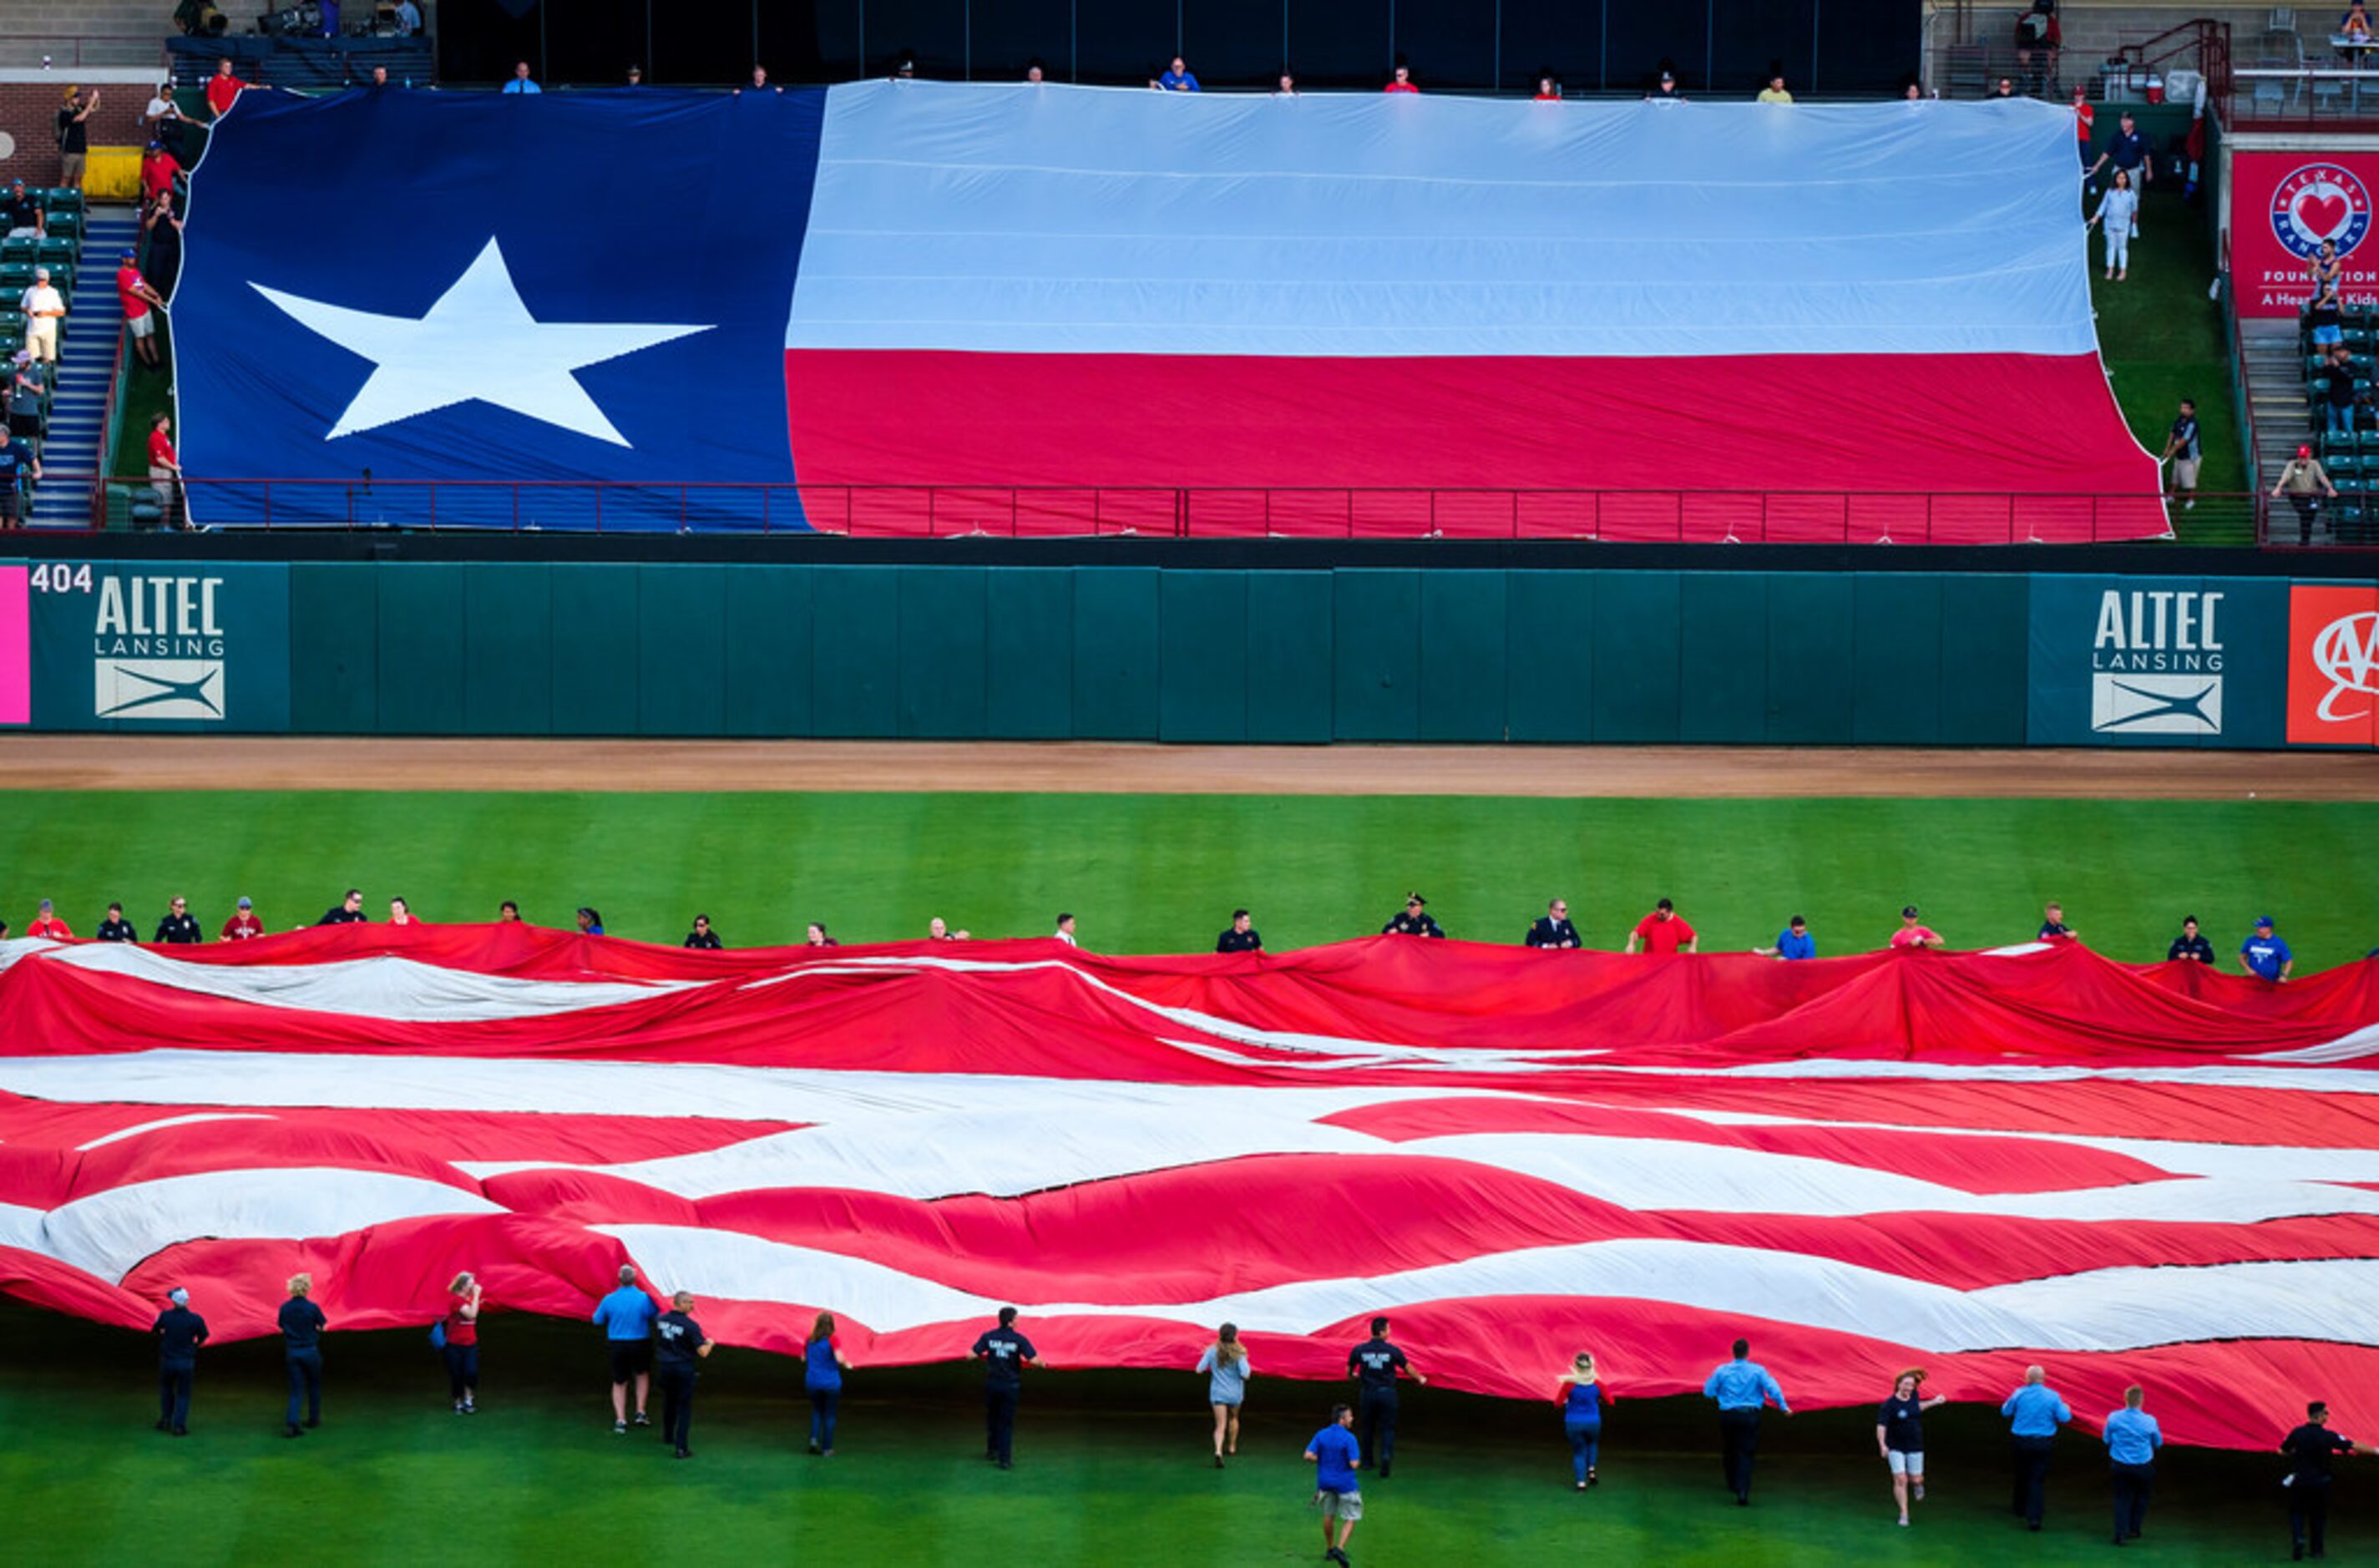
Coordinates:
x,y
2306,485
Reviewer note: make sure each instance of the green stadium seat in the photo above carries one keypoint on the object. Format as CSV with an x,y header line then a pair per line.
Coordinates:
x,y
58,252
63,198
24,248
67,225
16,274
2343,467
11,300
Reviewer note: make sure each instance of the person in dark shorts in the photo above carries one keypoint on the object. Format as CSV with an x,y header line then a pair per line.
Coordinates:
x,y
626,1318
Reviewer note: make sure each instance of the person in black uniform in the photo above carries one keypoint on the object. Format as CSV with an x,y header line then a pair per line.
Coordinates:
x,y
2189,944
1414,922
702,935
679,1341
350,912
179,1334
302,1323
1552,928
115,928
177,927
1242,937
2311,1446
1374,1365
1004,1353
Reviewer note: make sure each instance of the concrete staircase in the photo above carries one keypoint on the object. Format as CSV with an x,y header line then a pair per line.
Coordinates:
x,y
2277,405
86,361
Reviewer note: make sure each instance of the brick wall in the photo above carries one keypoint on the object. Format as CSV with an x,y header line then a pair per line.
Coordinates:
x,y
29,114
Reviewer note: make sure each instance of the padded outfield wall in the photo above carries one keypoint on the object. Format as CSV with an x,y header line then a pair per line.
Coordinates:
x,y
1143,653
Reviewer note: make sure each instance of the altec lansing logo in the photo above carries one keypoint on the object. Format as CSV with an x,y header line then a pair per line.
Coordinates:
x,y
2156,663
157,645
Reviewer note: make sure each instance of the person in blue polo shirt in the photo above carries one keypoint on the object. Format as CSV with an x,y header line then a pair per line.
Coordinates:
x,y
1741,1387
1336,1455
626,1316
2034,1413
2132,1439
1793,942
2265,955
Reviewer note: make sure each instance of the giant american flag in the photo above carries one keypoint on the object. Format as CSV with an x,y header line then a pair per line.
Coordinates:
x,y
1968,1162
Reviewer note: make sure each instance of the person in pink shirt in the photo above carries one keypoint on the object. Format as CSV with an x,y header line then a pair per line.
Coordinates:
x,y
1914,933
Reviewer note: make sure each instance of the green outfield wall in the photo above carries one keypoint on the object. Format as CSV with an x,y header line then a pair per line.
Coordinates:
x,y
1160,654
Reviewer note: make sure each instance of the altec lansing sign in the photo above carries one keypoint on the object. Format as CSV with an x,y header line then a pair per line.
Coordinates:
x,y
2156,662
117,643
157,646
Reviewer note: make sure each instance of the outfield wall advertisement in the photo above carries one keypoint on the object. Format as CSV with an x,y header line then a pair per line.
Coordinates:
x,y
2156,661
2333,695
162,647
2282,206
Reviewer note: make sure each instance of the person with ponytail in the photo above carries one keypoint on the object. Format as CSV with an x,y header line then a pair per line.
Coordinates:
x,y
1225,1364
1581,1394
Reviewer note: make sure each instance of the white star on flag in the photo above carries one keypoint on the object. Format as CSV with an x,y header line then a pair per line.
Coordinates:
x,y
478,343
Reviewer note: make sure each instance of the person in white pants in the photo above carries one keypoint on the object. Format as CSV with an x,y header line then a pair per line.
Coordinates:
x,y
2119,210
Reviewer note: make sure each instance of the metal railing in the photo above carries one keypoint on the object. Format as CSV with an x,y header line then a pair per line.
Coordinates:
x,y
69,50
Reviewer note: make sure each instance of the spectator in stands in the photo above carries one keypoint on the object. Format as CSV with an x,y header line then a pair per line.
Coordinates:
x,y
1177,78
1911,91
1548,89
165,471
590,923
242,926
2328,272
1774,93
760,82
1552,928
2189,945
179,926
408,19
2128,153
1414,920
18,463
2355,24
636,76
1664,932
1914,933
74,135
904,68
2325,316
2337,392
26,216
115,928
2053,927
2037,40
2119,210
2181,451
379,81
222,89
349,911
1665,90
1036,74
159,171
46,924
160,226
1286,86
163,119
1401,79
329,18
2084,118
1242,937
45,309
818,937
27,383
2006,88
521,82
2266,955
1793,942
702,936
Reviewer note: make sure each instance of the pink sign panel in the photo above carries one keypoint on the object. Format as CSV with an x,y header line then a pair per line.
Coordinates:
x,y
16,647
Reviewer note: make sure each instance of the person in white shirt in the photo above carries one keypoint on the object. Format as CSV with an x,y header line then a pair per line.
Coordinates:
x,y
1065,932
2120,211
44,308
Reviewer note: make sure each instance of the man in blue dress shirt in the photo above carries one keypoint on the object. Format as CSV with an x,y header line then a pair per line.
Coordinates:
x,y
1741,1387
2132,1439
2034,1413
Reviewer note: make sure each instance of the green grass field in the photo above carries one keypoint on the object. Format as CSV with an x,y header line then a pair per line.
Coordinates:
x,y
1111,1467
1162,873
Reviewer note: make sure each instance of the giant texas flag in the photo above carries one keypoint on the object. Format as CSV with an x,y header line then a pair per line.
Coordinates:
x,y
1963,1162
1390,312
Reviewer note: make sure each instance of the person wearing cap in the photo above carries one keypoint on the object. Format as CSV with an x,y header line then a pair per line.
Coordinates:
x,y
1242,937
2265,954
18,463
1914,933
1664,932
243,925
1414,920
141,302
302,1323
115,928
1665,90
74,134
179,1334
1552,928
2305,484
222,89
165,470
46,924
158,170
179,927
44,308
2191,945
1793,942
24,213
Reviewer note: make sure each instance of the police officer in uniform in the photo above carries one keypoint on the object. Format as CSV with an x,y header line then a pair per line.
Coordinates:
x,y
1552,928
1004,1353
702,935
1242,937
678,1339
179,1334
2191,943
115,928
350,911
302,1323
1374,1365
179,927
1414,922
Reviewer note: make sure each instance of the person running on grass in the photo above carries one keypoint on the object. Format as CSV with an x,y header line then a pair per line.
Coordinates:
x,y
1900,1434
1374,1365
1225,1364
822,1369
1580,1395
1004,1353
1335,1456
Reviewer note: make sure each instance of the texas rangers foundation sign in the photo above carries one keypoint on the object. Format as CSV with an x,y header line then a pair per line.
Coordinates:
x,y
167,647
2334,666
2158,661
2284,205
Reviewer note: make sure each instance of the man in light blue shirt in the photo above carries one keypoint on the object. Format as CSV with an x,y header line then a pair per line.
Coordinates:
x,y
2132,1439
522,82
626,1317
2034,1413
408,19
1741,1387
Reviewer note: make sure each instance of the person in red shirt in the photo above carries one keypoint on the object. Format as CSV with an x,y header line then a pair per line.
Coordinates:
x,y
165,467
47,923
223,89
1548,90
158,170
2083,115
1914,933
243,925
1664,932
1401,82
138,299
